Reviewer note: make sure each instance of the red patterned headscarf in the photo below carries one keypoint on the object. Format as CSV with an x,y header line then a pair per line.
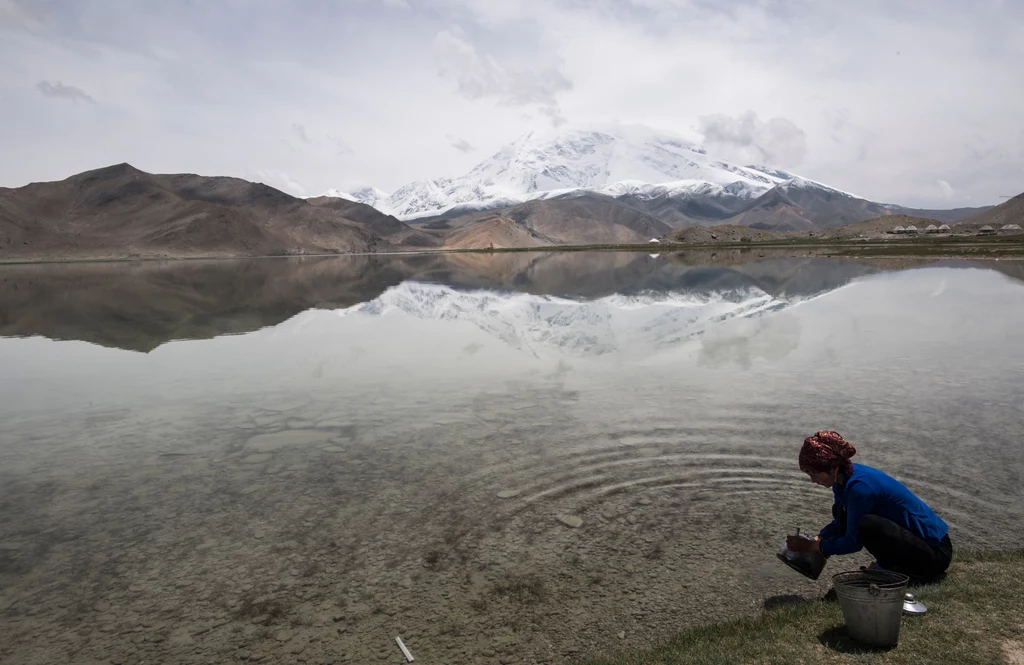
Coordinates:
x,y
825,452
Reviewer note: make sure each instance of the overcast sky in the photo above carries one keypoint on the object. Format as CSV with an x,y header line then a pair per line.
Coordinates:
x,y
919,102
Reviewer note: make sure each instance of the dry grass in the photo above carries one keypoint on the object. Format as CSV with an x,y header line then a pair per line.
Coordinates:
x,y
975,617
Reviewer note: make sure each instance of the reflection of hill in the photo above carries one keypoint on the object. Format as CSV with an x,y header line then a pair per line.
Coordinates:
x,y
139,306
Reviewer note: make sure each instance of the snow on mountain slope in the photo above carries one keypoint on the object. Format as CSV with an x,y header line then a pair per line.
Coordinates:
x,y
337,194
680,188
638,324
797,184
612,160
371,196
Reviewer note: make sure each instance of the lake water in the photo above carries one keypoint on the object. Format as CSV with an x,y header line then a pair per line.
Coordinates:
x,y
515,458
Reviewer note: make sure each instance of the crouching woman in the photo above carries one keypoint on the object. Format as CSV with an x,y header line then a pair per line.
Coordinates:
x,y
872,510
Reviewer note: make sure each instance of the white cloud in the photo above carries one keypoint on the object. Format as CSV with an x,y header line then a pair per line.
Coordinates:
x,y
947,190
299,131
462,145
478,76
376,87
747,139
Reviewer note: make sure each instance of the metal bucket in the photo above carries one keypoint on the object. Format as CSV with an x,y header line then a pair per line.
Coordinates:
x,y
872,603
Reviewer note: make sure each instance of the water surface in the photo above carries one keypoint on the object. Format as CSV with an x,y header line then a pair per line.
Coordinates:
x,y
302,458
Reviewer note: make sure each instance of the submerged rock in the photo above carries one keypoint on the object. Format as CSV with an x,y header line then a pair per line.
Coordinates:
x,y
571,521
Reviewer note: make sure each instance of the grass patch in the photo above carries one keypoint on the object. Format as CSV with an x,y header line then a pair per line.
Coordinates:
x,y
975,617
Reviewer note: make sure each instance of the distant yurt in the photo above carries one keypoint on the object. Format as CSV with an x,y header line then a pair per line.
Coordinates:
x,y
654,240
931,228
944,228
899,230
986,230
911,229
1010,228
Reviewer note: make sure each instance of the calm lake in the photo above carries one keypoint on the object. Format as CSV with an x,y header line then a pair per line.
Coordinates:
x,y
504,458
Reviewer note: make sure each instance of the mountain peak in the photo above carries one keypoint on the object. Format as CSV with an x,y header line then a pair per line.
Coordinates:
x,y
112,171
369,195
541,164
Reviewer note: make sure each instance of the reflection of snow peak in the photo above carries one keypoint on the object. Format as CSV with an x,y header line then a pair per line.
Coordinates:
x,y
593,327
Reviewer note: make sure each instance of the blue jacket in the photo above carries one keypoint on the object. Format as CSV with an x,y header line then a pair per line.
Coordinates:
x,y
868,491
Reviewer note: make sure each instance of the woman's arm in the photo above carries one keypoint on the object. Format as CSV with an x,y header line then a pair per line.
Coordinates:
x,y
831,530
860,501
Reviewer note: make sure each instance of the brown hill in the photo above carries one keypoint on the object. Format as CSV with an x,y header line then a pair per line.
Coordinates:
x,y
1010,212
120,211
494,233
879,227
583,221
722,233
386,226
806,207
938,216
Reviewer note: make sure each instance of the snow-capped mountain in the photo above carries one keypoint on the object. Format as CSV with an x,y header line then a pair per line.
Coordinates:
x,y
536,324
371,196
338,194
616,161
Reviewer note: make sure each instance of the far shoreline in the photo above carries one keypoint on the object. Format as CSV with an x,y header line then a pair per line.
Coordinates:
x,y
969,247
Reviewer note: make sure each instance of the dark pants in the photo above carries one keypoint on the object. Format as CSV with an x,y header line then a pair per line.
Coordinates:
x,y
902,551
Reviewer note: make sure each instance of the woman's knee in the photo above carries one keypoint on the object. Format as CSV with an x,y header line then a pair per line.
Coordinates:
x,y
871,528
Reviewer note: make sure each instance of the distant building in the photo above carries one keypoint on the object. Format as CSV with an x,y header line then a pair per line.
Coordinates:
x,y
654,240
986,230
944,228
910,229
931,228
899,230
1011,227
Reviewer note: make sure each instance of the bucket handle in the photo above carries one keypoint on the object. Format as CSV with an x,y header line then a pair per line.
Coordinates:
x,y
874,591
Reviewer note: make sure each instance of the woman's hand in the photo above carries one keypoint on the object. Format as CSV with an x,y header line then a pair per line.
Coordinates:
x,y
801,544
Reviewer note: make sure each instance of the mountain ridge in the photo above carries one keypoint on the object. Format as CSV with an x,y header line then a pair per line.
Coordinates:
x,y
122,212
656,173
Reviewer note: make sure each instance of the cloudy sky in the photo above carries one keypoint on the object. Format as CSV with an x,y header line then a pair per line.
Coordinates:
x,y
919,102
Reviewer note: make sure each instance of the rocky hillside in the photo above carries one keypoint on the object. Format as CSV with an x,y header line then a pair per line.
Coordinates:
x,y
120,211
1011,212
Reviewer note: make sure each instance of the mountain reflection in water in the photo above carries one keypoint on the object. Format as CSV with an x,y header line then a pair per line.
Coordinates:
x,y
139,306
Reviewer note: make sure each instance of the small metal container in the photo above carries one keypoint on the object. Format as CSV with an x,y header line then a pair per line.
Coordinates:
x,y
808,564
912,605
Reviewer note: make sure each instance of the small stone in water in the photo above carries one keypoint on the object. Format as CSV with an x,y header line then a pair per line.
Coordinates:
x,y
508,494
570,521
